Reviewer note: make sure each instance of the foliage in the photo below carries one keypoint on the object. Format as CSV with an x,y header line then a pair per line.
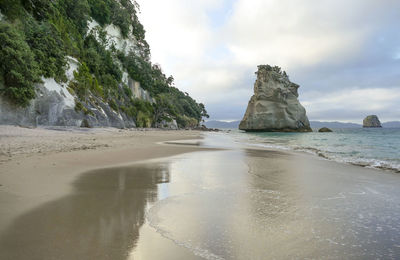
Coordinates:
x,y
101,10
18,67
39,34
144,113
45,41
84,82
77,11
169,100
276,69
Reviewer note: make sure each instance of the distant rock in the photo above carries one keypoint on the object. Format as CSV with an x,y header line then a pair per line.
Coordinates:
x,y
274,107
324,130
371,121
204,128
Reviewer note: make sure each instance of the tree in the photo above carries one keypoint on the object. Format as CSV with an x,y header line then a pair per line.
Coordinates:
x,y
46,43
18,67
203,111
101,11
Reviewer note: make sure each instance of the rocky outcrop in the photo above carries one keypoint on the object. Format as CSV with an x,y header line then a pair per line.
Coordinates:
x,y
324,130
274,105
371,121
55,108
170,124
54,105
139,92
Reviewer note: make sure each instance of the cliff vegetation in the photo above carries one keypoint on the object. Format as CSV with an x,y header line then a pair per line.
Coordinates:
x,y
38,36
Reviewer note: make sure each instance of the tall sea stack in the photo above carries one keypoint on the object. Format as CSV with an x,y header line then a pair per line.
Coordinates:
x,y
274,107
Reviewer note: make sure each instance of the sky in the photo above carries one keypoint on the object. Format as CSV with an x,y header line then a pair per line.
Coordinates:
x,y
345,55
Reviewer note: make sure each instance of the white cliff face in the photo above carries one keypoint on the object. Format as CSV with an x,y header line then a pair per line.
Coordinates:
x,y
114,37
73,65
67,99
139,92
274,105
125,78
126,45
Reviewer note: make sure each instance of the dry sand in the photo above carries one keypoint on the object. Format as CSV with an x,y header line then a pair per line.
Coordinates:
x,y
38,165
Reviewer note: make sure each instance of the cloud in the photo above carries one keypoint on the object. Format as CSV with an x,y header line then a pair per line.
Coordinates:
x,y
212,48
302,33
353,104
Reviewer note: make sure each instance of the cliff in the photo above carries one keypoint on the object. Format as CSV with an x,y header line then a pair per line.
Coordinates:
x,y
84,63
274,105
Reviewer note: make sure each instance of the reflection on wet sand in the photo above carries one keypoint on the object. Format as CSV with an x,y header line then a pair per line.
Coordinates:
x,y
265,204
232,204
99,220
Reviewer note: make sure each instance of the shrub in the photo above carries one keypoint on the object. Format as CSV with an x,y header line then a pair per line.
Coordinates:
x,y
18,67
46,43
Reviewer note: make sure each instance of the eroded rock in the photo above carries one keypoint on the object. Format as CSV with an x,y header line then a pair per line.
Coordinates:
x,y
371,121
274,106
324,130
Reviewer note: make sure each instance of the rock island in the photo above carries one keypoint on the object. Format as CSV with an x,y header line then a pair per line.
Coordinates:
x,y
274,107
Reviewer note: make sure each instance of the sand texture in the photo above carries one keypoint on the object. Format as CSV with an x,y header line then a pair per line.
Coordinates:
x,y
139,199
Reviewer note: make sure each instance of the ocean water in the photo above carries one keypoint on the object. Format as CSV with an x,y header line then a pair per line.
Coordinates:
x,y
368,147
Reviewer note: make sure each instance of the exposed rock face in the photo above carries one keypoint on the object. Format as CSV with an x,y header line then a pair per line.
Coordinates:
x,y
138,92
53,108
164,124
371,121
324,130
274,105
54,105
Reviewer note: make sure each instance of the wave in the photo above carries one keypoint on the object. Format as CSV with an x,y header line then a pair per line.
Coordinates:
x,y
337,157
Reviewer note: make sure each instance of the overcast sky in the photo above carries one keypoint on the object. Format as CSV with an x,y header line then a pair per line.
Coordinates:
x,y
344,54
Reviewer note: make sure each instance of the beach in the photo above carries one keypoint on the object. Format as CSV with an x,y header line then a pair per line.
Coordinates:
x,y
121,194
38,165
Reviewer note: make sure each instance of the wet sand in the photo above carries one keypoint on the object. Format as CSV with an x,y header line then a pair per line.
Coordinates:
x,y
39,165
238,203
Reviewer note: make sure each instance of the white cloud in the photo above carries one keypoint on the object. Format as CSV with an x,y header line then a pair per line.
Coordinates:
x,y
353,104
301,33
215,64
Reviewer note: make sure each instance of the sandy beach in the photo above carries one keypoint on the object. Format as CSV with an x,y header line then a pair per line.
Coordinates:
x,y
38,165
112,194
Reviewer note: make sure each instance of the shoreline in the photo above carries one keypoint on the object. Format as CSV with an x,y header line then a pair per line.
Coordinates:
x,y
164,191
38,165
361,156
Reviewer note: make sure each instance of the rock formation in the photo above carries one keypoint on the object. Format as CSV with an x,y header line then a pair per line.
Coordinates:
x,y
274,106
52,108
371,121
324,130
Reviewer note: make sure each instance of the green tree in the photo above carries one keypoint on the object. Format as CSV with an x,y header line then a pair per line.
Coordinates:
x,y
46,43
203,111
101,10
18,67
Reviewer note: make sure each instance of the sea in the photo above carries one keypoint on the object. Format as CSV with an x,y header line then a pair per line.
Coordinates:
x,y
368,147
